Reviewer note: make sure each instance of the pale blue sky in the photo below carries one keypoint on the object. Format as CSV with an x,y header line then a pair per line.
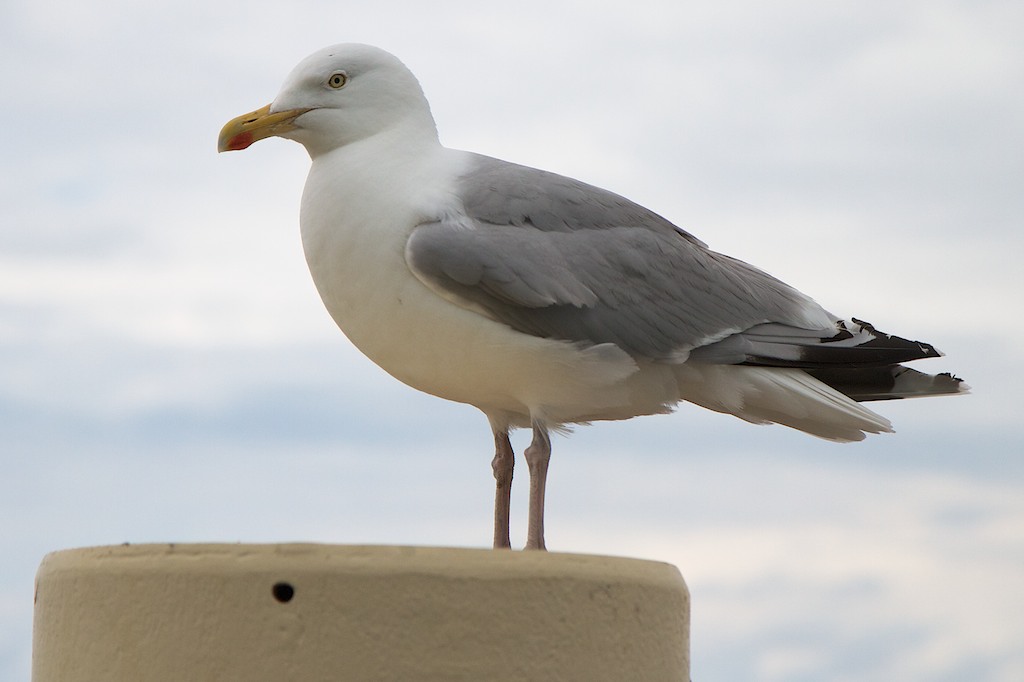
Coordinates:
x,y
167,372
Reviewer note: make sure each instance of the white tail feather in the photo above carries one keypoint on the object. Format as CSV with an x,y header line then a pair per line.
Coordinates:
x,y
779,395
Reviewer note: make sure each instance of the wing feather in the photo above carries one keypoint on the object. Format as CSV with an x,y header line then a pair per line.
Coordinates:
x,y
554,257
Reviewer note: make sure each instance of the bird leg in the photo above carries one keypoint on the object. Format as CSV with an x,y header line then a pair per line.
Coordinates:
x,y
537,457
502,464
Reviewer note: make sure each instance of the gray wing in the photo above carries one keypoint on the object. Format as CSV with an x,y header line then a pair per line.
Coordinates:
x,y
557,258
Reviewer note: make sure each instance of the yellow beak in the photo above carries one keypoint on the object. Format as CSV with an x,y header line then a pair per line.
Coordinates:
x,y
239,133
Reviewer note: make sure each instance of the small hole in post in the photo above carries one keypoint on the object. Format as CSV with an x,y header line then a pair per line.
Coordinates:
x,y
283,592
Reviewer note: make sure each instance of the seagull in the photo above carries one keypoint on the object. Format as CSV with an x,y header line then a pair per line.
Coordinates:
x,y
544,301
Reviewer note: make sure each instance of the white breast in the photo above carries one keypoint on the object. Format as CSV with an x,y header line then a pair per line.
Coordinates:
x,y
356,221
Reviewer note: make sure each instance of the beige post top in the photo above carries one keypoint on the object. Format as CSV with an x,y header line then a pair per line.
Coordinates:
x,y
310,613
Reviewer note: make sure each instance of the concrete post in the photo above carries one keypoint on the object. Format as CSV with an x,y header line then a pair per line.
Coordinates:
x,y
309,613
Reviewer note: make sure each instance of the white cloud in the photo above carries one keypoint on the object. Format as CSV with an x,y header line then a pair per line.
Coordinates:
x,y
813,564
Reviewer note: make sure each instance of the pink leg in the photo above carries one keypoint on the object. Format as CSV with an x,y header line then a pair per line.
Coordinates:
x,y
537,457
502,464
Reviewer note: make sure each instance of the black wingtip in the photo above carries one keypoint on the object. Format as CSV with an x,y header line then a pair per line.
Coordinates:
x,y
889,383
903,350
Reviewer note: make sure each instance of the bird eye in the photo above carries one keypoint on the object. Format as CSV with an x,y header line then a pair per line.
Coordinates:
x,y
337,80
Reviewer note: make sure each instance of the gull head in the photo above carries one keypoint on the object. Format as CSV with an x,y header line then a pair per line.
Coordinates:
x,y
335,97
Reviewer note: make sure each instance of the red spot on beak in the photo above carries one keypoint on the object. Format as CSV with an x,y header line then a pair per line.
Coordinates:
x,y
240,141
